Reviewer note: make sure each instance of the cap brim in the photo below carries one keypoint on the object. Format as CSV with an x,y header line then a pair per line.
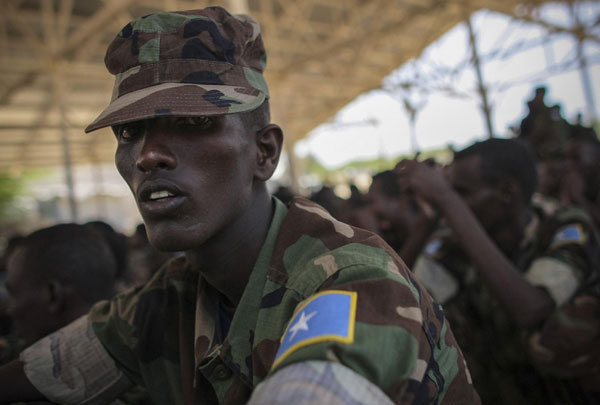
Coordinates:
x,y
178,99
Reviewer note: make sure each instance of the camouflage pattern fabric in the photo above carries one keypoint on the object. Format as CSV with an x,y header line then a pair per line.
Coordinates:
x,y
510,366
567,344
170,335
187,63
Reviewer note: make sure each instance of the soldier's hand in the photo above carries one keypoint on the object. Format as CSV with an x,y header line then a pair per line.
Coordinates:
x,y
425,179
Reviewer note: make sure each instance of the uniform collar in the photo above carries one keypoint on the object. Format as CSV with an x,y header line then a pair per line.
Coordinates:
x,y
237,347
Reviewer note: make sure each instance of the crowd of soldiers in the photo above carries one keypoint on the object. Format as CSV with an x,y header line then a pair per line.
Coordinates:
x,y
486,234
472,282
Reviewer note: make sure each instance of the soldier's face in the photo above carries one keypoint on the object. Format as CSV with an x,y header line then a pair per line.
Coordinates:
x,y
482,198
191,177
394,215
28,299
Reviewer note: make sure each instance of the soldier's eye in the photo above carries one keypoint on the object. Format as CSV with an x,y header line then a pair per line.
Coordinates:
x,y
128,132
200,122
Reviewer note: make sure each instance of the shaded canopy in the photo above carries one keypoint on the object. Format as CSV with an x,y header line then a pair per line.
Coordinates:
x,y
321,55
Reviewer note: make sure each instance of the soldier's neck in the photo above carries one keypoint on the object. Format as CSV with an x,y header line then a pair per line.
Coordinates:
x,y
227,260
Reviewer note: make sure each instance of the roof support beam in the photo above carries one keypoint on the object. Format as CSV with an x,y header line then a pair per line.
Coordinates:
x,y
78,39
485,106
577,32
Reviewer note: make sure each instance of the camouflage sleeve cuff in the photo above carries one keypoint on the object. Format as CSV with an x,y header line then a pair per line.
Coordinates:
x,y
71,366
321,382
556,276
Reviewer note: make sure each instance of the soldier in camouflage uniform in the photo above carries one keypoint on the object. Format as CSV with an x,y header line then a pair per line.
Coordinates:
x,y
271,303
519,286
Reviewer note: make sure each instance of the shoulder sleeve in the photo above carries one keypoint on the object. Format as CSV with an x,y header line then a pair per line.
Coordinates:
x,y
317,382
566,263
139,328
112,323
557,277
71,366
377,321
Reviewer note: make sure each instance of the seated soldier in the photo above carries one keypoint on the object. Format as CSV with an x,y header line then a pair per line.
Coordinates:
x,y
387,211
581,183
271,303
54,276
514,270
537,110
544,128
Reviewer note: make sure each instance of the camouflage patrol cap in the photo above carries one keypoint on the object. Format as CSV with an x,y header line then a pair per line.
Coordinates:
x,y
185,63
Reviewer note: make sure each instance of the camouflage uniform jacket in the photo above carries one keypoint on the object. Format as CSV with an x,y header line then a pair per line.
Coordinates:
x,y
172,337
559,253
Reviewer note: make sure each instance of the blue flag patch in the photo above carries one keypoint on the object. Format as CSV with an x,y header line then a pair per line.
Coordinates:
x,y
433,246
568,234
326,316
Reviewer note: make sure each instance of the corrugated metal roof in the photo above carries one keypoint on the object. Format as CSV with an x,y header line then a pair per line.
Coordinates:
x,y
321,55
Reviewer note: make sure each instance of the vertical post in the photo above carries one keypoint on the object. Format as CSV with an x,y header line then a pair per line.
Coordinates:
x,y
414,147
481,86
586,81
548,52
292,169
412,109
99,199
55,30
58,87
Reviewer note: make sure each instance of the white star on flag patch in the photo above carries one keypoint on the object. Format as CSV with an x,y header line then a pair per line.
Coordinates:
x,y
326,316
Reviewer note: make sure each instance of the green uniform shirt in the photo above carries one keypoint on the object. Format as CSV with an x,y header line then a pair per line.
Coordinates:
x,y
558,253
172,337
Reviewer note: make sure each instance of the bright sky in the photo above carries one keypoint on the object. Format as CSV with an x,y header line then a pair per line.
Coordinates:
x,y
377,125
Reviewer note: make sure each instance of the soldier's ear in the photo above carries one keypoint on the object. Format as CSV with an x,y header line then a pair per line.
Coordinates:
x,y
269,141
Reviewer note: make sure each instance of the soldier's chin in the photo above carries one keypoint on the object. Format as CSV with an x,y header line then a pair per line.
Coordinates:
x,y
165,243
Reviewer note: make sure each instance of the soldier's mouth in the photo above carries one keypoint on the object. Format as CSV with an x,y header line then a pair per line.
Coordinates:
x,y
152,191
159,198
160,195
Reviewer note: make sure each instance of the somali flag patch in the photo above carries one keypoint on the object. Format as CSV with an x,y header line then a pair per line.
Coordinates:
x,y
326,316
432,247
568,234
